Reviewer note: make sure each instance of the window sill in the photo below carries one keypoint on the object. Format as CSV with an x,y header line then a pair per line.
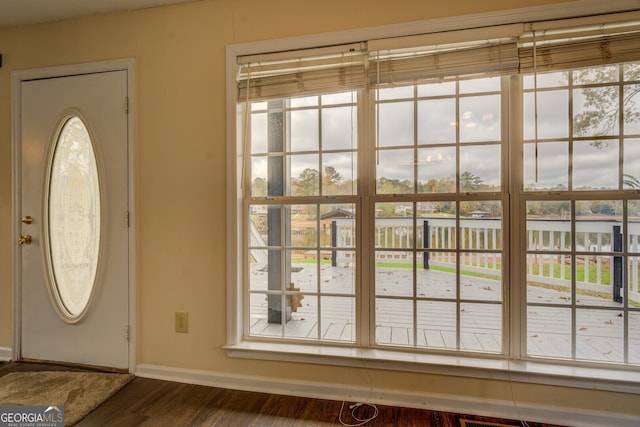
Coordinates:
x,y
608,378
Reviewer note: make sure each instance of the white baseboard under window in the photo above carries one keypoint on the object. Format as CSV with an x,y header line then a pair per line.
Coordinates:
x,y
430,401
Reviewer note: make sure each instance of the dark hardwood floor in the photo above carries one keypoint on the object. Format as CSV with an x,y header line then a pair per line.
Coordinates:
x,y
147,402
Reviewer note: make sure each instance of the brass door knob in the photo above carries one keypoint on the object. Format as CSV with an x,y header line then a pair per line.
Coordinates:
x,y
25,240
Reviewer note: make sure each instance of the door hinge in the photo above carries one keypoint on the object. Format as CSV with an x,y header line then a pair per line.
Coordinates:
x,y
126,105
126,219
127,336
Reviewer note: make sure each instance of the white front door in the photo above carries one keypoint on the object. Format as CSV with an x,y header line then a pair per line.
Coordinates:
x,y
74,231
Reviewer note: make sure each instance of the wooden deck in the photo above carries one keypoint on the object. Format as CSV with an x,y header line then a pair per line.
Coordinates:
x,y
599,331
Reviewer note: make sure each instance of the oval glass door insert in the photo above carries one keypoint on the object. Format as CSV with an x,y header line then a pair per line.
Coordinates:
x,y
73,219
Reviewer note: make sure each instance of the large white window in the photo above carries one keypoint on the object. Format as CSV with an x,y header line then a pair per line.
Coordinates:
x,y
451,194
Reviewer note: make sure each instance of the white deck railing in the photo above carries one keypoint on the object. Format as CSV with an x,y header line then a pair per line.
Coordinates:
x,y
548,243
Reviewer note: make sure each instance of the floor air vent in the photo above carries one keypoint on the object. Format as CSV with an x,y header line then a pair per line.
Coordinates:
x,y
472,423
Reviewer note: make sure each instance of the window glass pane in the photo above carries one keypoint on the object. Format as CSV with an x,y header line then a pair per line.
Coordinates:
x,y
477,176
337,318
339,173
604,74
549,278
437,89
481,327
632,109
549,332
480,225
634,339
590,156
339,98
631,71
596,111
342,218
480,278
633,210
549,225
439,220
394,322
437,121
439,279
259,133
304,130
395,172
553,115
259,315
306,101
258,225
304,314
339,278
545,80
480,85
398,92
597,281
437,170
303,226
395,232
257,106
599,335
437,324
631,168
394,273
395,124
305,178
480,118
259,168
548,238
339,128
258,267
599,232
546,166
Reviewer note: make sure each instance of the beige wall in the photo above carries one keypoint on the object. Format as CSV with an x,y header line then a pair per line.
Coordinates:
x,y
180,171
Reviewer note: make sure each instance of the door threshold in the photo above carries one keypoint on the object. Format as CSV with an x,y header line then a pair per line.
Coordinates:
x,y
70,365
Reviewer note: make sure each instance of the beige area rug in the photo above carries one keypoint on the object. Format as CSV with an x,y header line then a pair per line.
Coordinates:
x,y
78,392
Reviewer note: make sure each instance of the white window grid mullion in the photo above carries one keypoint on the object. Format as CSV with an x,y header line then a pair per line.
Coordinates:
x,y
626,336
458,246
367,161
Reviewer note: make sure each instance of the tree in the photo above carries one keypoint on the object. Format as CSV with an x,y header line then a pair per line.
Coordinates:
x,y
603,105
631,181
443,185
331,180
394,186
307,183
470,183
603,102
259,187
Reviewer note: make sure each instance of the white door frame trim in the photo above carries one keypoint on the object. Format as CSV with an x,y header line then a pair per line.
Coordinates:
x,y
17,77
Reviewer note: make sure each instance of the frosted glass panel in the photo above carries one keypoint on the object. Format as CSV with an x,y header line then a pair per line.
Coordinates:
x,y
74,217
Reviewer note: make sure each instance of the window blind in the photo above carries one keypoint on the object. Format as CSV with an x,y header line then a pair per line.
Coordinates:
x,y
559,49
472,53
487,51
299,73
441,62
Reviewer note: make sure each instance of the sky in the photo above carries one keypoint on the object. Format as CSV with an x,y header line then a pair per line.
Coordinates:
x,y
434,117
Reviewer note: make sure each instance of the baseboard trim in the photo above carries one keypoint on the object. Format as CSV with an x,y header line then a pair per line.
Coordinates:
x,y
6,354
432,401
